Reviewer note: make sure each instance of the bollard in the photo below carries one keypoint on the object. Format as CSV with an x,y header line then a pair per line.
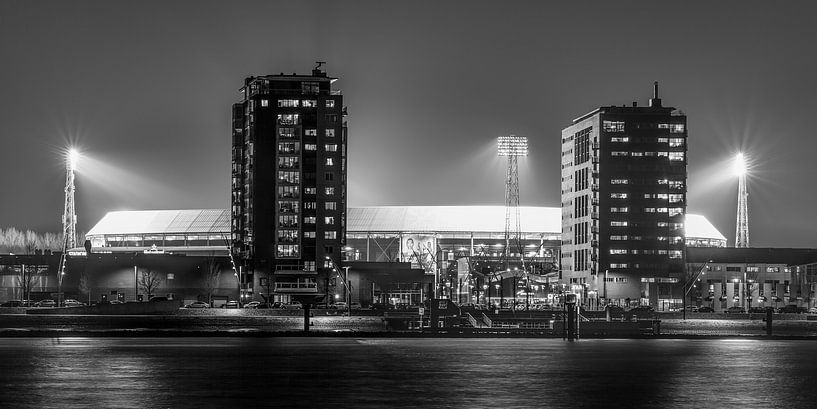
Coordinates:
x,y
306,318
769,322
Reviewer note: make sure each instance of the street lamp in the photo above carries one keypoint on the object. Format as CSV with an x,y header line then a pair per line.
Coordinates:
x,y
345,284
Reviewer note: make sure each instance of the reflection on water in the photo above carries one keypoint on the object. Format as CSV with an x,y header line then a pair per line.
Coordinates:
x,y
349,372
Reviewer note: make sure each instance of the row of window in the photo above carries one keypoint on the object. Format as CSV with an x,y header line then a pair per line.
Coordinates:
x,y
618,126
673,156
624,223
292,133
676,254
288,192
671,239
295,119
294,103
673,142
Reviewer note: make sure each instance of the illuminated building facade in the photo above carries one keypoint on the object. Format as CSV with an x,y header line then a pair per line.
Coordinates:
x,y
288,205
624,174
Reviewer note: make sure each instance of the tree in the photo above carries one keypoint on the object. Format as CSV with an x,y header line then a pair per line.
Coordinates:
x,y
212,276
26,281
149,281
84,286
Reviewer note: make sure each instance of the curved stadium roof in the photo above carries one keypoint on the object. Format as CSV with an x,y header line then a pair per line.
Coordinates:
x,y
368,219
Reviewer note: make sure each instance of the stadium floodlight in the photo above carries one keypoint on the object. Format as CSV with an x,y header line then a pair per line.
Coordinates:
x,y
73,158
512,145
739,166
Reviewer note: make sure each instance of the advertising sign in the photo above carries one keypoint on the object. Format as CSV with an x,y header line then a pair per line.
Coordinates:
x,y
420,250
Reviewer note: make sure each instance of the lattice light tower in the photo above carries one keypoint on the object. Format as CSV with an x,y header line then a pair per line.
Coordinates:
x,y
742,224
69,216
513,147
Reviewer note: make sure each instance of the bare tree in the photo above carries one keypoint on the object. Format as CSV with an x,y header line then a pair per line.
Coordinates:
x,y
212,276
26,281
84,286
149,281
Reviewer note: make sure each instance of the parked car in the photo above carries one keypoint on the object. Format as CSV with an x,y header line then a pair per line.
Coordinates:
x,y
47,303
277,305
791,309
115,302
734,310
197,304
812,310
356,306
760,310
293,305
706,309
340,305
73,303
252,304
230,304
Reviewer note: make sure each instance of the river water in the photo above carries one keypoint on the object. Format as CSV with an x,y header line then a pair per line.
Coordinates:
x,y
325,372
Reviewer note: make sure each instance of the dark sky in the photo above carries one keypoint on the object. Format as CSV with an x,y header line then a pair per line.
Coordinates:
x,y
144,89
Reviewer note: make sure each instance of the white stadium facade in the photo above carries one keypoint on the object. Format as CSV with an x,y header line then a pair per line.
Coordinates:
x,y
457,248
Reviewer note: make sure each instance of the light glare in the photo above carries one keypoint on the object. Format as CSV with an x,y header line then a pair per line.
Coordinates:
x,y
740,165
73,158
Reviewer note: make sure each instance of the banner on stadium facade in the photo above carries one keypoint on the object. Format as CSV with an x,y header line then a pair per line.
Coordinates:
x,y
420,250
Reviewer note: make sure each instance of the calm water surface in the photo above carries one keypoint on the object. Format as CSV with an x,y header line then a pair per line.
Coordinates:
x,y
350,372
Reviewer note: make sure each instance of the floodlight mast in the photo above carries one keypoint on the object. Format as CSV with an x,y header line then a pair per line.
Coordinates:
x,y
69,217
513,147
742,223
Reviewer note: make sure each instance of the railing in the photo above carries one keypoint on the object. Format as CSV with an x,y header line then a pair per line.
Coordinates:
x,y
488,321
472,320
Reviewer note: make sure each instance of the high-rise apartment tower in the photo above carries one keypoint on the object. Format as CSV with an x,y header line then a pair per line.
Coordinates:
x,y
288,185
624,204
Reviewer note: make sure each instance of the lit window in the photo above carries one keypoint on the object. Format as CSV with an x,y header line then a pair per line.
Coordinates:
x,y
309,219
331,205
663,140
288,119
676,254
286,132
618,195
676,128
331,147
637,154
329,191
330,133
329,220
620,139
311,132
288,250
618,251
662,210
310,147
330,235
287,103
676,142
309,205
309,103
615,237
292,148
309,234
675,211
676,156
330,103
613,126
619,153
310,191
619,209
330,162
649,210
619,181
618,223
264,103
309,87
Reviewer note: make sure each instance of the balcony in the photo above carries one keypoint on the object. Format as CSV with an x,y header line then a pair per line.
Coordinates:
x,y
296,287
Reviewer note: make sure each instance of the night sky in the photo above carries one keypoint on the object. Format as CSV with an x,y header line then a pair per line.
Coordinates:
x,y
144,90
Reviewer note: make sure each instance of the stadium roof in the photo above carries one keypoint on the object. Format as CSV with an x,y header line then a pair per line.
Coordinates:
x,y
163,221
368,219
